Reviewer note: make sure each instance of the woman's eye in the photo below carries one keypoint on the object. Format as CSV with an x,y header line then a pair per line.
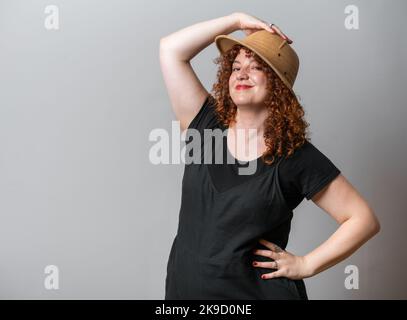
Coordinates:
x,y
255,67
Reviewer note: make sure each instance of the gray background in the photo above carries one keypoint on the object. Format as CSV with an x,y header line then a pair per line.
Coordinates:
x,y
77,189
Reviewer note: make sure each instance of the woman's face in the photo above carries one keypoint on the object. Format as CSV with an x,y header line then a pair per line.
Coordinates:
x,y
246,71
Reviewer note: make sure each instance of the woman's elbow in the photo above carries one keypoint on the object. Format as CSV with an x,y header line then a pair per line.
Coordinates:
x,y
373,225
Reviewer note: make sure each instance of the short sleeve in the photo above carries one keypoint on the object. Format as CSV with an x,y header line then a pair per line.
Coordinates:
x,y
306,172
206,117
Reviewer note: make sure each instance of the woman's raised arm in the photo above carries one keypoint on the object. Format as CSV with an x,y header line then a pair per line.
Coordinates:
x,y
185,90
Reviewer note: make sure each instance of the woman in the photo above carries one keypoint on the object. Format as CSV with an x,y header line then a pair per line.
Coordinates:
x,y
233,228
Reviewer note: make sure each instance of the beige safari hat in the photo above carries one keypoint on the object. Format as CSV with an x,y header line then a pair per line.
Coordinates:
x,y
270,47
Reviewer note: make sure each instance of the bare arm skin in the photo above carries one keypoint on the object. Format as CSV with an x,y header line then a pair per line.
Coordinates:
x,y
357,224
186,92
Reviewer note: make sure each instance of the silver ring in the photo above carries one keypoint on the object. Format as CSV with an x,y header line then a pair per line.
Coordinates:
x,y
271,25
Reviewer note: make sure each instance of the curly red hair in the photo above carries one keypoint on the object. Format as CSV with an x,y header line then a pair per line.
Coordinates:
x,y
285,126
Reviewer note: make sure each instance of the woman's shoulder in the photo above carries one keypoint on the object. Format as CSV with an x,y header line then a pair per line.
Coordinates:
x,y
307,151
307,169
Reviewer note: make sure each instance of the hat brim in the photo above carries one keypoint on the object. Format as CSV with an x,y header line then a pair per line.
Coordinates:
x,y
225,43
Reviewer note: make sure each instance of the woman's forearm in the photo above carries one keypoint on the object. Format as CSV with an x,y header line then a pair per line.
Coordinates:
x,y
350,235
188,42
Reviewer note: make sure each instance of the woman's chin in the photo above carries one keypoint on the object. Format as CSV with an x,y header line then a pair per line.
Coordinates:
x,y
244,102
242,99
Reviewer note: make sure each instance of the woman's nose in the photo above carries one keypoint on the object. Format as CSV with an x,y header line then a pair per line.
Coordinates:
x,y
242,75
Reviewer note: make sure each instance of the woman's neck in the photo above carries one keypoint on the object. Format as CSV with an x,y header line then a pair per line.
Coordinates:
x,y
250,118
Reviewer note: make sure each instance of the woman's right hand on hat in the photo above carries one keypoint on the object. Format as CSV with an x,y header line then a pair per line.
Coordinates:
x,y
249,24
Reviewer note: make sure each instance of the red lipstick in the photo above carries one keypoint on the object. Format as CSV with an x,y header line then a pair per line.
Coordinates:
x,y
242,87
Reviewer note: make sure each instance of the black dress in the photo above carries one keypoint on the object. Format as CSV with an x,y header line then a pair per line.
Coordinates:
x,y
224,214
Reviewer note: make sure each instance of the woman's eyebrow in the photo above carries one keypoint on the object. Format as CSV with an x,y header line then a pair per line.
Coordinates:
x,y
251,60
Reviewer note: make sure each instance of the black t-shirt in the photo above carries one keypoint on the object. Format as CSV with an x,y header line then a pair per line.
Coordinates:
x,y
301,175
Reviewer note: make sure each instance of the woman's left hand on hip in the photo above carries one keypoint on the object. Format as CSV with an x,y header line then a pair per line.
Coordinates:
x,y
286,264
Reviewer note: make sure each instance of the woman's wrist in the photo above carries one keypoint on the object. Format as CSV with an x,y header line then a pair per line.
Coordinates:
x,y
308,268
235,20
233,23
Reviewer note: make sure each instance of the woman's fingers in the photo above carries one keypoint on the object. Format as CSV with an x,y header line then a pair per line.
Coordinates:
x,y
249,31
279,31
276,254
275,274
266,253
272,246
282,34
267,27
250,24
289,40
265,264
262,25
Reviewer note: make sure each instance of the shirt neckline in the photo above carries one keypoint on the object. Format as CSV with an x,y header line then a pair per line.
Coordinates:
x,y
242,162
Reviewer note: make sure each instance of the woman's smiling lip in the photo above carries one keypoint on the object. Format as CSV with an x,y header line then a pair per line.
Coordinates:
x,y
242,87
